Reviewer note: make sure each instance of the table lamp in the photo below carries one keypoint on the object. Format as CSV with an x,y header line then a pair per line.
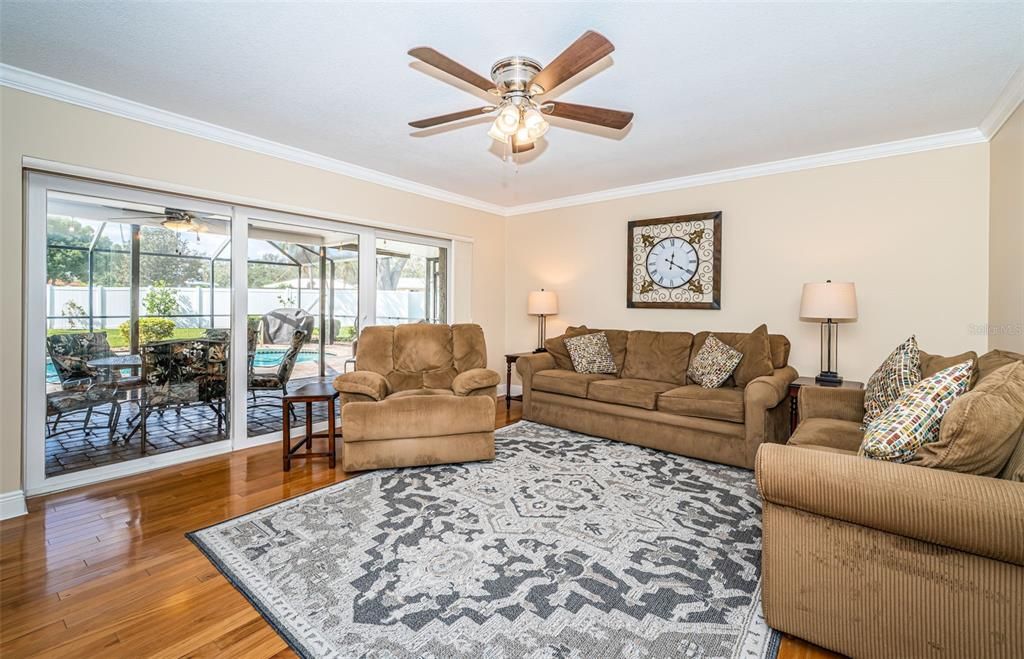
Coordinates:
x,y
541,304
828,303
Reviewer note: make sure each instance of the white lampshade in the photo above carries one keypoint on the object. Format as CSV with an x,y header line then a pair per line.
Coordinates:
x,y
542,303
837,301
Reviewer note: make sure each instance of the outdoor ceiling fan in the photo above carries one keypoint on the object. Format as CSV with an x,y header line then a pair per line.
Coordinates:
x,y
517,81
174,219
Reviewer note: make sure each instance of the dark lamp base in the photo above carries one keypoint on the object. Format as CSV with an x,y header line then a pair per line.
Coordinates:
x,y
536,350
828,379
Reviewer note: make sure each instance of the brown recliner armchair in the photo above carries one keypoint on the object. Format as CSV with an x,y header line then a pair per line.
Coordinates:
x,y
420,395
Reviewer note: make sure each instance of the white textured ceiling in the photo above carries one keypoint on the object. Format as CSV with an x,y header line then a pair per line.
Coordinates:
x,y
713,86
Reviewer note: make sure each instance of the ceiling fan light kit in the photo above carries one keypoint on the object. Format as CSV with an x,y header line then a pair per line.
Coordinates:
x,y
517,80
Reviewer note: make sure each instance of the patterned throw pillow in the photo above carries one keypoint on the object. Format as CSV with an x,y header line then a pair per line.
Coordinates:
x,y
914,420
899,372
714,363
590,353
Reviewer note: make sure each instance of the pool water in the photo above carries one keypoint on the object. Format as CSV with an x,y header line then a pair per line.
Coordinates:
x,y
269,357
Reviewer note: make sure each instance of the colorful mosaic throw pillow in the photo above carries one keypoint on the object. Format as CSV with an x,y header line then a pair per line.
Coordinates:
x,y
914,420
714,363
590,353
899,372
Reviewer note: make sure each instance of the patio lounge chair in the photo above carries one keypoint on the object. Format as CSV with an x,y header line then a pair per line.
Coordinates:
x,y
83,389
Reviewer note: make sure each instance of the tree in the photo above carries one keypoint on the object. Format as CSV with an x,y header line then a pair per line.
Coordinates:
x,y
160,300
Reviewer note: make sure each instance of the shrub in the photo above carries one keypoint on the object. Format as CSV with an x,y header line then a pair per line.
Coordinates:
x,y
160,300
346,333
150,329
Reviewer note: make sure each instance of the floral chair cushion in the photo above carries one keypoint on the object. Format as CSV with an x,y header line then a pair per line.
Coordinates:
x,y
70,354
179,372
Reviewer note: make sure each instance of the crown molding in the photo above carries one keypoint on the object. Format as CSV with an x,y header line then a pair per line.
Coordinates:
x,y
844,156
1008,101
36,83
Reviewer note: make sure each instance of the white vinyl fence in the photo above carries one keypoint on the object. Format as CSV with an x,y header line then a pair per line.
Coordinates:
x,y
68,306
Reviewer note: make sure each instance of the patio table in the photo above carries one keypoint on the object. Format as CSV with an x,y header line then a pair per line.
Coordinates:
x,y
117,361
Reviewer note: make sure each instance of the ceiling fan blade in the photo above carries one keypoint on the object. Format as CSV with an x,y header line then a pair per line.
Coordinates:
x,y
454,116
616,119
583,52
451,67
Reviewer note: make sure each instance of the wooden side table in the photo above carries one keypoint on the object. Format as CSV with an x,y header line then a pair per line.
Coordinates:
x,y
510,359
315,392
794,393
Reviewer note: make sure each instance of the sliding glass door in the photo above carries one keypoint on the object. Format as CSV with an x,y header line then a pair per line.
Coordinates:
x,y
303,312
152,337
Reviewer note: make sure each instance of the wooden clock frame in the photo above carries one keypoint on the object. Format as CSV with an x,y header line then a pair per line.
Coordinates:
x,y
715,218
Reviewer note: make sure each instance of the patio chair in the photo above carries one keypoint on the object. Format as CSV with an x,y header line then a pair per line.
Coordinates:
x,y
83,388
278,381
182,373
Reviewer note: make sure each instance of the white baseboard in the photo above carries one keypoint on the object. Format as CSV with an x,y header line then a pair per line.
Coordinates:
x,y
12,504
517,390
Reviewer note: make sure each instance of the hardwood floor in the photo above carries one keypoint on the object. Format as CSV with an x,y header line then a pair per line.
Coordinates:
x,y
106,570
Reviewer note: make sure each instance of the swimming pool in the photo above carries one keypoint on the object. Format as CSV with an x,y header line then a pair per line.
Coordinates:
x,y
268,357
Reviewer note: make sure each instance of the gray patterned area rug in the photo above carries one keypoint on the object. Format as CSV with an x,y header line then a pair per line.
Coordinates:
x,y
565,546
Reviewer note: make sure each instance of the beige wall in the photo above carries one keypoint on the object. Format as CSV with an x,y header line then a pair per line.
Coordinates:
x,y
911,231
43,128
1006,248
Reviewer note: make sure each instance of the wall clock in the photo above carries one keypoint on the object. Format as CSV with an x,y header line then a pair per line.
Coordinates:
x,y
675,262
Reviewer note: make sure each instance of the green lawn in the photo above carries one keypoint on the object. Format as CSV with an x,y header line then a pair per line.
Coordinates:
x,y
117,340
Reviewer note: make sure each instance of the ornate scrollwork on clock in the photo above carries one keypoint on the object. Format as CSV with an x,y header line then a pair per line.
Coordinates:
x,y
675,262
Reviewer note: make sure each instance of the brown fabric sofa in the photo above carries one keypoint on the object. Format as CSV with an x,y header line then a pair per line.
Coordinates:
x,y
420,395
877,559
651,402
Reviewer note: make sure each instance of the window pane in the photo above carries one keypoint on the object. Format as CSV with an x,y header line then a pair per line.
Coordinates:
x,y
411,283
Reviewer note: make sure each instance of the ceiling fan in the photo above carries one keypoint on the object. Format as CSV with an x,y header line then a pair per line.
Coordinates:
x,y
174,219
517,81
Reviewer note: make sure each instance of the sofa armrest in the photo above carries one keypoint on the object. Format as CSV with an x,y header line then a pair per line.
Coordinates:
x,y
768,391
366,383
474,379
831,403
975,514
530,364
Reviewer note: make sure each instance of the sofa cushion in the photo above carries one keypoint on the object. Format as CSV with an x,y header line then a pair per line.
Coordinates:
x,y
634,393
713,364
566,382
376,349
780,345
617,340
590,353
900,371
995,359
420,392
915,418
661,356
757,357
556,346
723,403
981,428
833,433
932,364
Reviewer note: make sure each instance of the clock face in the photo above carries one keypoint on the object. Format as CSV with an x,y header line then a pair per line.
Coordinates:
x,y
672,262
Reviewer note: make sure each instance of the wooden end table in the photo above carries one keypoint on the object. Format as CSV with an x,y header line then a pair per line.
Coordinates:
x,y
315,392
794,394
510,359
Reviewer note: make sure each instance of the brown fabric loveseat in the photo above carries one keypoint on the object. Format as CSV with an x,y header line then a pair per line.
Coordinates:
x,y
878,559
651,402
420,395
